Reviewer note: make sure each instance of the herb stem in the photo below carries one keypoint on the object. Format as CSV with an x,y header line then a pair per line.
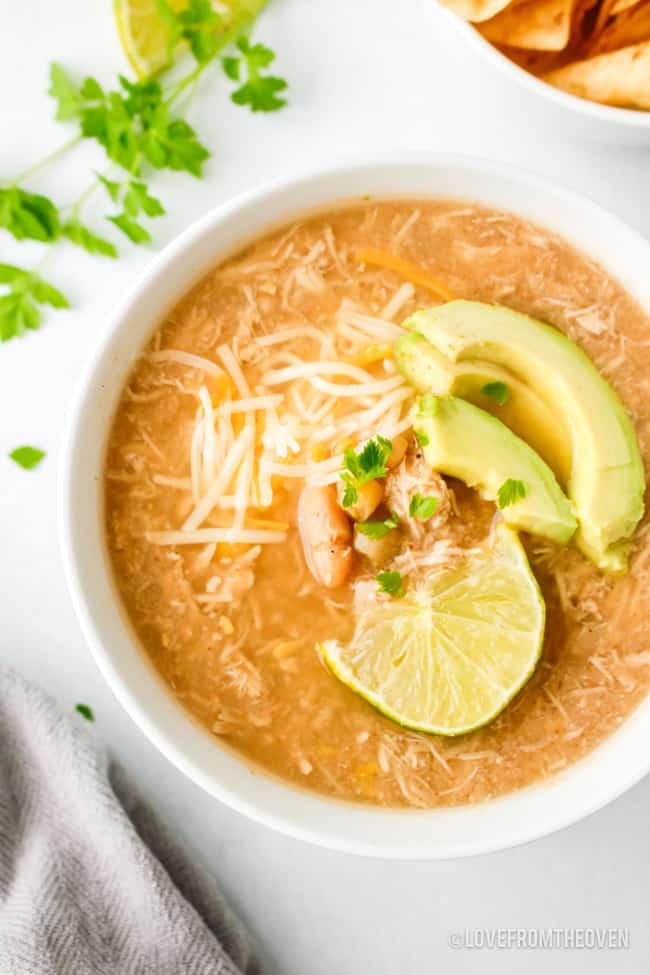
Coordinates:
x,y
185,82
46,160
252,9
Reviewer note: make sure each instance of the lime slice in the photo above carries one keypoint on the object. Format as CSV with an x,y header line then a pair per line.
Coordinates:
x,y
143,35
448,657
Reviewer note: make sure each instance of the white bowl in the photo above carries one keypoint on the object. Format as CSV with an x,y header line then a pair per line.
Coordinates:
x,y
616,765
576,116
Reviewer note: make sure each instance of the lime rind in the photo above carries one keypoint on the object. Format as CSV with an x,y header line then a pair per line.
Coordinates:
x,y
449,657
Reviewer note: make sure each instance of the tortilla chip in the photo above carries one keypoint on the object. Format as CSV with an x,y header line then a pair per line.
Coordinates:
x,y
628,28
621,78
540,25
536,62
476,10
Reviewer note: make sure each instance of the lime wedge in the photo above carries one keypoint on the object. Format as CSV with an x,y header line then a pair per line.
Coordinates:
x,y
448,657
143,35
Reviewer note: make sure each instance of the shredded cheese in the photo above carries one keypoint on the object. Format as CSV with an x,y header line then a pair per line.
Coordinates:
x,y
201,536
413,273
243,443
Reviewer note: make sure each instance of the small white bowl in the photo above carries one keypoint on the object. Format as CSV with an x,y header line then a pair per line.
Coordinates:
x,y
576,116
532,812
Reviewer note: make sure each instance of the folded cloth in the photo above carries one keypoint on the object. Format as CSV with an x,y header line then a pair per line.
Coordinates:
x,y
90,881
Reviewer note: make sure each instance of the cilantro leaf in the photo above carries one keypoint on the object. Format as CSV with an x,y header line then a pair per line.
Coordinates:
x,y
91,90
198,24
230,67
497,391
137,198
370,462
28,215
350,494
133,230
260,92
63,89
45,293
173,144
510,492
9,273
85,711
391,583
111,187
27,457
17,315
19,310
421,438
422,506
135,122
378,529
83,237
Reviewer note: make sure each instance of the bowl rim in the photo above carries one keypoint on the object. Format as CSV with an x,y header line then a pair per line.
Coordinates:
x,y
348,827
631,118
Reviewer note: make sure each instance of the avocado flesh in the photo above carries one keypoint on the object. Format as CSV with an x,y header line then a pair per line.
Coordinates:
x,y
527,415
463,441
607,482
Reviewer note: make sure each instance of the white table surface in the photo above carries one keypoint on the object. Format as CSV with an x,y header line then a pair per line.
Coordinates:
x,y
365,74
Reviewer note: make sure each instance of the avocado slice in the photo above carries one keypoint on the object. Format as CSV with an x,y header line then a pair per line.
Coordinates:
x,y
463,441
606,482
428,370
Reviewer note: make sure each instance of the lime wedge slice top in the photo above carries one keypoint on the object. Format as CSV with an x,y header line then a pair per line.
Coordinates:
x,y
449,655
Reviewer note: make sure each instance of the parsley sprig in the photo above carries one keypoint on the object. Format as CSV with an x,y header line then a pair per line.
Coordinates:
x,y
258,91
391,583
367,465
20,306
510,492
378,529
140,129
423,506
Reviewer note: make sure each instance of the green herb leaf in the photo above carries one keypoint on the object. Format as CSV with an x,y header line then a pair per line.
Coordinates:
x,y
133,230
27,457
173,145
350,495
198,24
259,92
85,711
9,273
421,438
28,215
63,89
137,199
510,492
18,307
230,67
135,122
427,405
83,237
422,506
46,294
370,462
391,583
378,529
17,315
497,391
112,188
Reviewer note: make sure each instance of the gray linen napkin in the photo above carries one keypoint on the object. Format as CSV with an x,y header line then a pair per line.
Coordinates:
x,y
90,881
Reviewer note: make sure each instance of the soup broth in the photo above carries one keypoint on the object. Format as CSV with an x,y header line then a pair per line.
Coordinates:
x,y
232,627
